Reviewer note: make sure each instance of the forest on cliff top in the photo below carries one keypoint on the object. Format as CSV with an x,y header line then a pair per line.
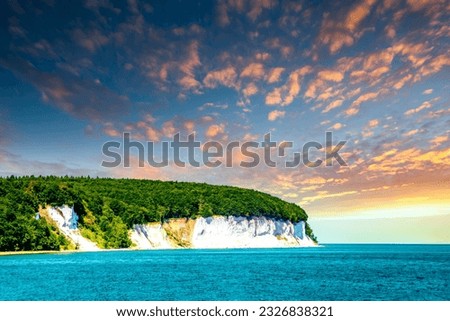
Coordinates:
x,y
108,208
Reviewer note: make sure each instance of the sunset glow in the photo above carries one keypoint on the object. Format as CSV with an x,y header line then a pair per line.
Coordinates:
x,y
375,73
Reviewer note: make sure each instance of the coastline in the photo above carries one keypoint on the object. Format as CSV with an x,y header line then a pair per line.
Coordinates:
x,y
7,253
12,253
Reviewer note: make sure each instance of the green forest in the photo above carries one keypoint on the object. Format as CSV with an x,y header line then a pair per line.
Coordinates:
x,y
108,208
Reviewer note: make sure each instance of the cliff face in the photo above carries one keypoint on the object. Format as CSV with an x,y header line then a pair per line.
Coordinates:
x,y
66,220
221,232
210,232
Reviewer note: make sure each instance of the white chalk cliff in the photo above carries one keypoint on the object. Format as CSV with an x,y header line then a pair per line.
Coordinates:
x,y
221,232
200,233
66,220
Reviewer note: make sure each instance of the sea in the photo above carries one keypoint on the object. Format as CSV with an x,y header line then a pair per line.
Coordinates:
x,y
332,272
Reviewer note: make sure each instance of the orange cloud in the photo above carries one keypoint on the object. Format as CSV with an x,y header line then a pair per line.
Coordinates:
x,y
275,75
333,105
275,114
373,123
253,70
285,94
189,125
250,90
337,126
153,134
339,32
214,130
226,77
257,6
365,97
111,131
424,105
188,66
439,140
412,132
331,75
168,129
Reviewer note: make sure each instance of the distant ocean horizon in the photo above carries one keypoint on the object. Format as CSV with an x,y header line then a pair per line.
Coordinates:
x,y
330,272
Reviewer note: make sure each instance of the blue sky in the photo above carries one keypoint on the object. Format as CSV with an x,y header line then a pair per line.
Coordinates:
x,y
74,75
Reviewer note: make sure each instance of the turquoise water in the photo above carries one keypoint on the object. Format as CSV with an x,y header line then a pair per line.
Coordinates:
x,y
332,272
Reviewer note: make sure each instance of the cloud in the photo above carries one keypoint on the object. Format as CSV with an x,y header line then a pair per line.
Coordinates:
x,y
314,87
412,132
399,84
328,93
257,6
206,119
275,43
333,105
250,137
225,77
168,129
435,65
337,126
250,90
91,40
212,105
274,97
285,94
351,111
424,105
396,162
378,59
215,130
427,91
189,125
275,114
111,131
321,196
13,164
152,134
438,140
187,67
331,75
263,56
253,9
343,29
428,5
222,14
416,53
357,14
253,70
365,97
373,123
82,98
275,75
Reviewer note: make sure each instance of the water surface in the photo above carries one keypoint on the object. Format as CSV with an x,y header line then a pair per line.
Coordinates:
x,y
332,272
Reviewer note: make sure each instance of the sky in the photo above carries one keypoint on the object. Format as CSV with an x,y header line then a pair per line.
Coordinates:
x,y
375,73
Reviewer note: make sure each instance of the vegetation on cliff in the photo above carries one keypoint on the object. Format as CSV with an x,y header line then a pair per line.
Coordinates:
x,y
107,207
